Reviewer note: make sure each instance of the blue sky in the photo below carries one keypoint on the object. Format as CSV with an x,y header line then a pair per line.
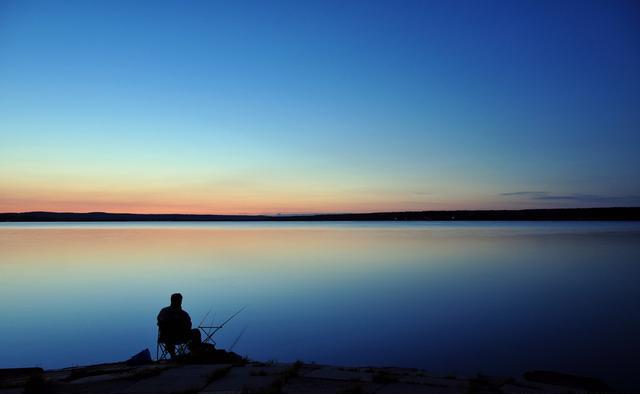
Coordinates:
x,y
266,107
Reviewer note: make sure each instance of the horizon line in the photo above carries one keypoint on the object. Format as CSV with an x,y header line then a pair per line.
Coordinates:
x,y
317,213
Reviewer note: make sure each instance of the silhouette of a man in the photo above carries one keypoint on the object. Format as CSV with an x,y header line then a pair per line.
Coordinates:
x,y
174,325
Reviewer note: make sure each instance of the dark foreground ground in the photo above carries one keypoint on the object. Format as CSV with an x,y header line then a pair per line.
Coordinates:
x,y
256,377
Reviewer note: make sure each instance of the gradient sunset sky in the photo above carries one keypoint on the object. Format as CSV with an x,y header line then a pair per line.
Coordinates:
x,y
327,106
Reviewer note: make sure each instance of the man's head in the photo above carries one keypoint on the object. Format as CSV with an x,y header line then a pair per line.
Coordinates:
x,y
176,299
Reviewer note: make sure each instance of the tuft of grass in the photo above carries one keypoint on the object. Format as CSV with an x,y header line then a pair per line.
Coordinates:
x,y
293,371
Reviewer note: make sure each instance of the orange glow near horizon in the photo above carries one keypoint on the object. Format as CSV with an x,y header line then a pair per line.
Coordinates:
x,y
224,207
229,201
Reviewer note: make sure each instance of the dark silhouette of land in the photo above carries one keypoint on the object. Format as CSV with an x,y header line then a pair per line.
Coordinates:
x,y
626,213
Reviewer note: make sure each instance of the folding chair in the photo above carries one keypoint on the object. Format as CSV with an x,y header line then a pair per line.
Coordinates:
x,y
162,352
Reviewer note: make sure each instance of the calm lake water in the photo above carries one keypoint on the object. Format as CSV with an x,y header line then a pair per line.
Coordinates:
x,y
450,297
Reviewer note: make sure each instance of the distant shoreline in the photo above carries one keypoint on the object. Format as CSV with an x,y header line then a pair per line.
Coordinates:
x,y
568,214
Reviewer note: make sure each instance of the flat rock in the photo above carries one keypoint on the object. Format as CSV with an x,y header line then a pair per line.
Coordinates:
x,y
18,390
103,387
136,373
13,377
268,369
406,388
57,375
164,378
246,378
430,381
179,379
523,388
333,373
324,386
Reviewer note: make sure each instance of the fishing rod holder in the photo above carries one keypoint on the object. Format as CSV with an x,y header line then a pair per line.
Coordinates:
x,y
208,332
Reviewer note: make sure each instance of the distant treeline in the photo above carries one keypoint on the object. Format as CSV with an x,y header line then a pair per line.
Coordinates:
x,y
632,213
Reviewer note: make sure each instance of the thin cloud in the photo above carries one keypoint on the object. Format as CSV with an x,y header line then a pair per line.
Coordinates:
x,y
573,197
525,193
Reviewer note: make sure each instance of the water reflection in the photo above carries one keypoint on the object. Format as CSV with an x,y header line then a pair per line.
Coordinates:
x,y
493,297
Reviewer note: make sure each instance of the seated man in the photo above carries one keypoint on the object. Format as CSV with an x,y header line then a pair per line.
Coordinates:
x,y
174,325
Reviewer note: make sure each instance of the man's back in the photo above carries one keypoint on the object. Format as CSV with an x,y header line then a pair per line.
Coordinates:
x,y
174,324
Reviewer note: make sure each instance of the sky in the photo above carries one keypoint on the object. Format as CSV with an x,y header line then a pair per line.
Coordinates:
x,y
328,106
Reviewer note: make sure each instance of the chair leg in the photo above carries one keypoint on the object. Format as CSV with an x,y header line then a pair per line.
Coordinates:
x,y
161,352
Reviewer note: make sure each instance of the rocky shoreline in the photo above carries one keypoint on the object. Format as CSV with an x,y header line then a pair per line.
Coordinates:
x,y
272,377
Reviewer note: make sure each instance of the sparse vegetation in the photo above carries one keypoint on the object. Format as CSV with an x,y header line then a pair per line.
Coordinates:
x,y
292,371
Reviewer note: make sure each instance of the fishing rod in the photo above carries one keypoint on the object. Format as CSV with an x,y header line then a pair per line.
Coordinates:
x,y
210,331
237,339
232,316
205,317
